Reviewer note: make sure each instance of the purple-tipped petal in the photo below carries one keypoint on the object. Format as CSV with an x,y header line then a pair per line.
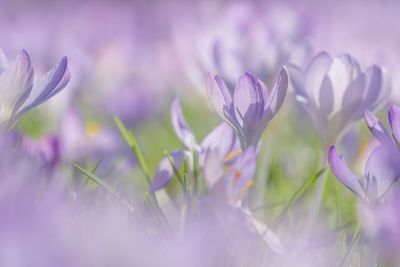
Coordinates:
x,y
343,174
377,129
394,120
47,86
248,100
165,172
15,85
219,96
181,127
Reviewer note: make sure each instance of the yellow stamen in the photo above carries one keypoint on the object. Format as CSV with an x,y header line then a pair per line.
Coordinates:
x,y
244,189
232,154
92,129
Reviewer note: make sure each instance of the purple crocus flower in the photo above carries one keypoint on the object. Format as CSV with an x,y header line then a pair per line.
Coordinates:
x,y
251,107
222,138
382,168
336,92
19,93
230,187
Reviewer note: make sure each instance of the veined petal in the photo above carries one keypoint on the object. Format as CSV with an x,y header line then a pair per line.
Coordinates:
x,y
377,129
276,97
223,139
248,100
165,172
343,70
181,127
343,174
15,85
219,96
394,120
382,166
47,86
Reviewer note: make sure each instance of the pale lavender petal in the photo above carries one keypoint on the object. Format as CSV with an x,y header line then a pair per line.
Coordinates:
x,y
213,168
394,120
47,86
165,172
181,127
343,174
352,98
377,129
243,170
326,96
382,166
374,85
223,139
315,73
3,61
276,97
219,96
248,100
15,85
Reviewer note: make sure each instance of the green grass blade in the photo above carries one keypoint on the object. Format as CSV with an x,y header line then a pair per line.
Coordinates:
x,y
94,178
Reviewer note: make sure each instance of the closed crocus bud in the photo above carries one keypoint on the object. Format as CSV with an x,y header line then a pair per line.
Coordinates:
x,y
19,93
335,91
251,107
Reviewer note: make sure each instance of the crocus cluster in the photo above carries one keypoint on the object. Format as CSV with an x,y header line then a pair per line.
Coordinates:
x,y
244,169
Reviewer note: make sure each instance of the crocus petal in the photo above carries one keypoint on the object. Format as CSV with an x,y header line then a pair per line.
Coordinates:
x,y
343,174
382,166
165,172
343,70
374,85
326,96
352,98
213,168
3,61
47,86
248,100
276,97
394,120
220,97
315,73
15,85
377,129
181,127
242,171
223,139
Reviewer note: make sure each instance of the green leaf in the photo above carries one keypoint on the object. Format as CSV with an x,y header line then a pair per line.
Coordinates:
x,y
131,140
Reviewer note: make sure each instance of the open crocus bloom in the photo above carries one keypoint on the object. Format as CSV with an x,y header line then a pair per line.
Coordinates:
x,y
18,92
222,138
382,168
336,92
251,108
